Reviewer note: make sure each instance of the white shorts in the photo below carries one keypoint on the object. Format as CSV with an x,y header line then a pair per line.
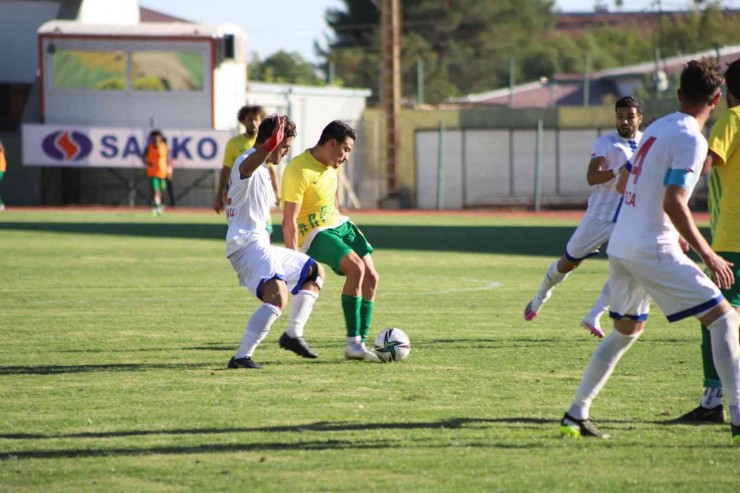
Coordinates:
x,y
257,262
676,284
587,238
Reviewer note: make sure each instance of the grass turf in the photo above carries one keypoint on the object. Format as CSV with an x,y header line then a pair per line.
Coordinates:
x,y
115,330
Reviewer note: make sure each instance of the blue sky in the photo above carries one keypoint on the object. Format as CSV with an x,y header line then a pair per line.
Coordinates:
x,y
294,25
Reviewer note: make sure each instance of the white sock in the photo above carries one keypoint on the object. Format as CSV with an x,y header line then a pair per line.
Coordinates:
x,y
257,328
300,310
603,362
551,279
600,305
712,397
353,340
726,352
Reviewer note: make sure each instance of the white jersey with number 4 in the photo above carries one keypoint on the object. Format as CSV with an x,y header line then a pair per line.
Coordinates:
x,y
604,198
671,147
248,203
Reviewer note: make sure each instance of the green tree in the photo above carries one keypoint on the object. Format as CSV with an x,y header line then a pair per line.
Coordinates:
x,y
288,68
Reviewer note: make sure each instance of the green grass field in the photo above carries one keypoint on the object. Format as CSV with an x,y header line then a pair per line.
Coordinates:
x,y
115,330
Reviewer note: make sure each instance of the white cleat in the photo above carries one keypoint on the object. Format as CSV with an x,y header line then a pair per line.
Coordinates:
x,y
359,352
594,327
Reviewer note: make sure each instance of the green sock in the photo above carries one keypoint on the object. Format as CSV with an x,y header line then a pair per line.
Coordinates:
x,y
711,379
351,309
366,318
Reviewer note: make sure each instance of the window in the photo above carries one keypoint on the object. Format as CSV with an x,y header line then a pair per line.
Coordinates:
x,y
166,71
87,69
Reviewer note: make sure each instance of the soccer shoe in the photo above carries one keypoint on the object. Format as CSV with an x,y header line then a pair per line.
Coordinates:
x,y
703,415
246,362
594,327
360,352
571,427
736,435
298,345
529,313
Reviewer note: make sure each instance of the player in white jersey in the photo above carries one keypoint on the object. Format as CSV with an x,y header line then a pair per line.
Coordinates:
x,y
609,154
647,257
268,271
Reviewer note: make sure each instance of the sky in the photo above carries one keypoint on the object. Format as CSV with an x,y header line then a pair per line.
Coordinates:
x,y
295,25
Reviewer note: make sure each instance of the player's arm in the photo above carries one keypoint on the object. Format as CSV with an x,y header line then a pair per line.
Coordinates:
x,y
290,224
712,160
220,199
675,205
275,184
597,172
259,156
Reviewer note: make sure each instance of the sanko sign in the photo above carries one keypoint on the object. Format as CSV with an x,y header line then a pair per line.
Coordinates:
x,y
110,147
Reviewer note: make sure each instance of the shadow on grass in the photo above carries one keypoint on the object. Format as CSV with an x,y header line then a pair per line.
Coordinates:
x,y
454,423
60,369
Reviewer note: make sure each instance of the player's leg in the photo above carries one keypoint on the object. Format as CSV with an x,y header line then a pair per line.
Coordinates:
x,y
631,307
305,279
710,409
584,243
592,320
156,195
274,295
369,288
723,322
329,247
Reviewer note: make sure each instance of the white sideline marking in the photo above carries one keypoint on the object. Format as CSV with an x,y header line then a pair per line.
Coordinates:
x,y
489,286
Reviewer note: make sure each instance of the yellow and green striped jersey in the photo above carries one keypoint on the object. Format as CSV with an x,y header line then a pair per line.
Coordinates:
x,y
724,182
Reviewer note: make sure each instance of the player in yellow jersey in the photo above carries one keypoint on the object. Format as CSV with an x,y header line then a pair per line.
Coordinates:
x,y
3,165
723,159
250,117
312,222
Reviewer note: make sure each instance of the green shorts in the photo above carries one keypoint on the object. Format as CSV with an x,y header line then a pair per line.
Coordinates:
x,y
332,245
2,173
158,183
733,294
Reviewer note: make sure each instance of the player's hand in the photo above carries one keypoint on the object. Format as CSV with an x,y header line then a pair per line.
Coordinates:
x,y
683,244
278,200
721,269
277,136
218,203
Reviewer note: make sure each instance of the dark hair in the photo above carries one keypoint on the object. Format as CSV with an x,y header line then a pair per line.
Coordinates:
x,y
268,126
155,133
700,81
247,110
337,130
629,102
732,78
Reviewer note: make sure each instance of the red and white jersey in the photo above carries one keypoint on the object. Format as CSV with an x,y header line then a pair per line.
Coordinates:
x,y
672,146
248,204
604,199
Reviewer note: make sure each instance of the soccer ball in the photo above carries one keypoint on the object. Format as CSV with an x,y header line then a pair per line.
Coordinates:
x,y
392,345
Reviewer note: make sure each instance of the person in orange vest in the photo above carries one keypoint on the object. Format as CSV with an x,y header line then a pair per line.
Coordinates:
x,y
156,159
3,167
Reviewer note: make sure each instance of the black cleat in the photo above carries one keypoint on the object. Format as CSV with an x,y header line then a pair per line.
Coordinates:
x,y
298,345
246,362
571,427
703,415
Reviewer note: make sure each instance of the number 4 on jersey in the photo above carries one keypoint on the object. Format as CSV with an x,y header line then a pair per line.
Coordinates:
x,y
639,158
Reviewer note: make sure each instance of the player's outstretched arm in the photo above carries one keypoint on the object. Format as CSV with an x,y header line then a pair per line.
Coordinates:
x,y
711,160
675,205
290,224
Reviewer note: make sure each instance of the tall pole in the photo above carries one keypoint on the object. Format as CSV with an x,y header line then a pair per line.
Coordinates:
x,y
390,85
586,82
419,81
512,80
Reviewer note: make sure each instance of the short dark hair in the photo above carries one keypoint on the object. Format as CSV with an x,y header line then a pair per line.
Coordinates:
x,y
732,78
268,126
247,110
155,133
700,81
337,130
629,102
